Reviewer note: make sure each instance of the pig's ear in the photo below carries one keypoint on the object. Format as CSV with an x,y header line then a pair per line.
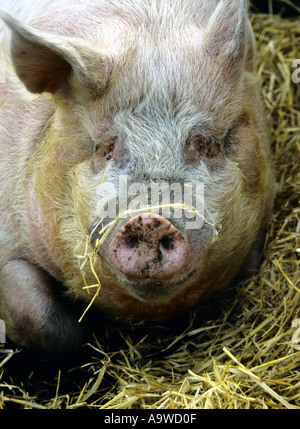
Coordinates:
x,y
51,63
226,35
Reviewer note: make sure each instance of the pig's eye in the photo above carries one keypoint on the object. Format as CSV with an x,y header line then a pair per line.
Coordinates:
x,y
106,150
198,147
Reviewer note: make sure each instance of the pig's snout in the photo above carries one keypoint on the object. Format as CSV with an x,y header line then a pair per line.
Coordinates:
x,y
149,246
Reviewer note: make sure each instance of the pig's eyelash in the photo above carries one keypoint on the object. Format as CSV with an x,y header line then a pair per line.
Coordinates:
x,y
200,141
104,141
198,147
105,149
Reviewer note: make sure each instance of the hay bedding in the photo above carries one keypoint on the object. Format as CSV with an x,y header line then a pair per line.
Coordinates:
x,y
245,351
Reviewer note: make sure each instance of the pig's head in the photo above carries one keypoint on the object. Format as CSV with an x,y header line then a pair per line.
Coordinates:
x,y
156,107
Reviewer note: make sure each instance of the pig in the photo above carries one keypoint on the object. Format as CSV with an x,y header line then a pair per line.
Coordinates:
x,y
96,94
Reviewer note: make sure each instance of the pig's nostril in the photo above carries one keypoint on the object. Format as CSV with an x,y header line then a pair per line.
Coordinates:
x,y
131,241
167,243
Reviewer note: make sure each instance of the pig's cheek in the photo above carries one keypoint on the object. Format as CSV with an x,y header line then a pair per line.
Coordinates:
x,y
35,317
41,232
200,241
98,161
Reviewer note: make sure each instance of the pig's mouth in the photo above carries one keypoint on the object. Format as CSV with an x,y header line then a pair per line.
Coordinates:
x,y
153,290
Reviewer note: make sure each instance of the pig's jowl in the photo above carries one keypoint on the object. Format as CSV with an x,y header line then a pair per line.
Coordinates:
x,y
157,92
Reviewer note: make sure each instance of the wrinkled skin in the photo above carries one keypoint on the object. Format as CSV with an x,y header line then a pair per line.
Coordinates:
x,y
153,91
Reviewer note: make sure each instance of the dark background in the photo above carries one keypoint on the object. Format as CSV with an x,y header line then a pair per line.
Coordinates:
x,y
279,6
